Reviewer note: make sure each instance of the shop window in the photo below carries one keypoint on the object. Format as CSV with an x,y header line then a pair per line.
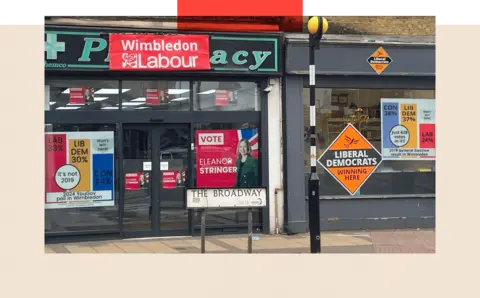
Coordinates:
x,y
231,161
80,172
78,95
226,96
361,107
156,95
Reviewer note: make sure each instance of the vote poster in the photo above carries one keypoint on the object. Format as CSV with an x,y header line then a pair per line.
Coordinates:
x,y
221,152
81,96
156,96
222,97
79,169
170,179
137,181
408,129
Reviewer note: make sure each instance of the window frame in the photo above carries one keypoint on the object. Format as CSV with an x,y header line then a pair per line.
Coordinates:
x,y
407,83
121,117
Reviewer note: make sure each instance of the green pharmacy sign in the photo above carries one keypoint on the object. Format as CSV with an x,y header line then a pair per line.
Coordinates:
x,y
87,50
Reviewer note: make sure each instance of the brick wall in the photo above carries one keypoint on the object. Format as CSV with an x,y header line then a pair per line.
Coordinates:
x,y
397,26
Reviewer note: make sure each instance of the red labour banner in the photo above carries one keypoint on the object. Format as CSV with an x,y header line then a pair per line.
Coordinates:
x,y
159,52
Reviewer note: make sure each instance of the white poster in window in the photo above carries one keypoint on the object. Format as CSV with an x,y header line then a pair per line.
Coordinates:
x,y
164,166
79,169
324,100
408,129
147,165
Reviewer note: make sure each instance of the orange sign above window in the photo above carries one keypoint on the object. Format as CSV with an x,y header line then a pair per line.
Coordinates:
x,y
379,60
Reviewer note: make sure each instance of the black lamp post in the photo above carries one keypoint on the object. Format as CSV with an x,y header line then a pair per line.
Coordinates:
x,y
317,26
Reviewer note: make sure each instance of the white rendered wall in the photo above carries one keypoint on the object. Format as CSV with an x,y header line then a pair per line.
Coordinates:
x,y
275,158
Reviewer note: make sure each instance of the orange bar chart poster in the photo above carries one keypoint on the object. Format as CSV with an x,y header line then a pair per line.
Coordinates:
x,y
79,169
408,128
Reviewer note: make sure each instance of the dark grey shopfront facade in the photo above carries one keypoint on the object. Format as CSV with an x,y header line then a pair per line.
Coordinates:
x,y
78,57
400,198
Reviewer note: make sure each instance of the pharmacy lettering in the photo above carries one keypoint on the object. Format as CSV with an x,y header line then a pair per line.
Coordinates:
x,y
86,49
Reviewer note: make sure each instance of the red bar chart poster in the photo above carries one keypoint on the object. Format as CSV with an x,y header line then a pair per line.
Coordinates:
x,y
79,169
408,128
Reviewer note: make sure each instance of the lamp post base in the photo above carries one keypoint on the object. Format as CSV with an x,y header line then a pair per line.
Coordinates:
x,y
314,212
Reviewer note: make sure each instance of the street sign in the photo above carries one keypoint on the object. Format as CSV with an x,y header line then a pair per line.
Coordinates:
x,y
226,198
350,159
206,198
379,60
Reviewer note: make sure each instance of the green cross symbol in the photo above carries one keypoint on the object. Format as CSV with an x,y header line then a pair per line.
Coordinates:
x,y
52,46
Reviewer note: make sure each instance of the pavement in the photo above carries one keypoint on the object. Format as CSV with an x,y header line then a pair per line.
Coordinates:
x,y
378,241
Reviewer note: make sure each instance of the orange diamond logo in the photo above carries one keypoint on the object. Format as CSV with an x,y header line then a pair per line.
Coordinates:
x,y
379,60
350,159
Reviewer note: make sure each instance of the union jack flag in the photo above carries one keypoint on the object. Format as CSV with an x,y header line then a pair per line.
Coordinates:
x,y
251,135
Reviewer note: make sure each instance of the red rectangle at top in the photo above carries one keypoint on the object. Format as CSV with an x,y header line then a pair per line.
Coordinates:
x,y
242,8
390,4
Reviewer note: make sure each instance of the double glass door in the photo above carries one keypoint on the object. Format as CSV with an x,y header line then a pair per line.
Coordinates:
x,y
155,170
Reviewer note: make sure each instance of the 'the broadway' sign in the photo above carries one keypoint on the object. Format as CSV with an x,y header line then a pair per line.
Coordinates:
x,y
227,198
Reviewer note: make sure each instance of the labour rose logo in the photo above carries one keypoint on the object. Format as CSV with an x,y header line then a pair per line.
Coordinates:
x,y
130,60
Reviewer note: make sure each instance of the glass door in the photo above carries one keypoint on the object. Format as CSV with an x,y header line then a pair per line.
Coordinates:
x,y
173,152
155,168
138,152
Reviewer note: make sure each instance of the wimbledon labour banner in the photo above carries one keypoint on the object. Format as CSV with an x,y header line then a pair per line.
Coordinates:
x,y
79,169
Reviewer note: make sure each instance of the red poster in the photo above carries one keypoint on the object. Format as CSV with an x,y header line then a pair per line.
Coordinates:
x,y
159,52
77,95
427,135
169,179
220,152
222,97
134,181
153,96
55,157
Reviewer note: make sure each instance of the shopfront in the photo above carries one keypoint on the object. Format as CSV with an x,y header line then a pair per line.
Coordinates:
x,y
357,80
126,134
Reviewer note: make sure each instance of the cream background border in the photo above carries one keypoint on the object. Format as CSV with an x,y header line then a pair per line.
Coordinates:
x,y
25,271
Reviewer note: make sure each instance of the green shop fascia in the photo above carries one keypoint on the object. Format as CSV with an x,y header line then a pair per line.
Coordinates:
x,y
87,49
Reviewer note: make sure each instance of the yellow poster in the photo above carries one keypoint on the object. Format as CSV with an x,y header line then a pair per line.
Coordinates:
x,y
409,120
80,158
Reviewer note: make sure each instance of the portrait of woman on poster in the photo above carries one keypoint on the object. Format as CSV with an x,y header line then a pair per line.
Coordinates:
x,y
89,94
180,178
247,166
